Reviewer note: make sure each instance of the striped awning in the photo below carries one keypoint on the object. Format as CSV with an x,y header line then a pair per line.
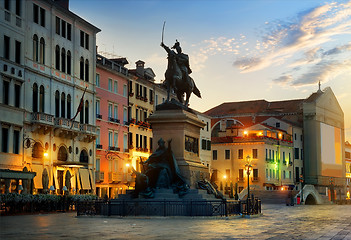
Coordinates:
x,y
38,179
84,178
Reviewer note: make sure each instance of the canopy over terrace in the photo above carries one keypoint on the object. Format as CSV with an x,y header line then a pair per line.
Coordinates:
x,y
7,175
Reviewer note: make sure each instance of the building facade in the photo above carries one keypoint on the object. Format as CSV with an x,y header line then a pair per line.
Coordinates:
x,y
348,164
58,57
302,139
112,152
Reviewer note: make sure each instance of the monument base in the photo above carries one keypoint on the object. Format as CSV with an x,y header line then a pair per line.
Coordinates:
x,y
172,122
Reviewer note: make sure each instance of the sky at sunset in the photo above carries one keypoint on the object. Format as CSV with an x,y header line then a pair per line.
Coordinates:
x,y
239,50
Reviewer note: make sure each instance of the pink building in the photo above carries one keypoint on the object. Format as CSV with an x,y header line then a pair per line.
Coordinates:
x,y
112,154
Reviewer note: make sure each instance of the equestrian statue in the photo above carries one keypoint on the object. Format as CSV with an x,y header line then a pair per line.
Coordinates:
x,y
177,74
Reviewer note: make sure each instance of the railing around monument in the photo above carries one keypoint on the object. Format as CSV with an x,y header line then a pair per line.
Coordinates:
x,y
169,208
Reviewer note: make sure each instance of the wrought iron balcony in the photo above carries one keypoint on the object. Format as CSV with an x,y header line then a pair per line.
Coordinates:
x,y
99,176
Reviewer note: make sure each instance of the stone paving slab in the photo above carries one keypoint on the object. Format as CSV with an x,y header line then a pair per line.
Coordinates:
x,y
277,222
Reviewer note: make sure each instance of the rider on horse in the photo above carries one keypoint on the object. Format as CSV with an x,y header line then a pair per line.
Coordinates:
x,y
182,60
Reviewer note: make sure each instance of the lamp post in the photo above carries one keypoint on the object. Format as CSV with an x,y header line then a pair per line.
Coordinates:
x,y
248,167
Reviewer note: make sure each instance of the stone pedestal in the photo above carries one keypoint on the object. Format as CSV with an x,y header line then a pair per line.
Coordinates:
x,y
183,127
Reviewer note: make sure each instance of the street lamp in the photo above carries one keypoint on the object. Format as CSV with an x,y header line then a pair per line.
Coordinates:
x,y
248,168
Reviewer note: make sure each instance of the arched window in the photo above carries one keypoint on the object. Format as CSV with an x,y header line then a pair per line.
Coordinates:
x,y
63,105
69,106
68,62
42,51
35,97
57,57
86,70
38,151
63,60
57,104
81,68
83,158
35,48
42,99
62,154
86,111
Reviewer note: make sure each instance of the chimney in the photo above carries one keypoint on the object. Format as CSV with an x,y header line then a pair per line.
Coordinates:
x,y
62,3
140,68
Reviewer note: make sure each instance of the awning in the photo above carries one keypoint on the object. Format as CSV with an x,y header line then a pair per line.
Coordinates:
x,y
92,180
57,185
84,178
269,184
12,174
38,183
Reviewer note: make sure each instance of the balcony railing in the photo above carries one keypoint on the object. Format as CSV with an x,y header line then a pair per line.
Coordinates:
x,y
18,22
255,179
98,116
113,148
99,176
111,119
87,128
99,146
43,118
63,122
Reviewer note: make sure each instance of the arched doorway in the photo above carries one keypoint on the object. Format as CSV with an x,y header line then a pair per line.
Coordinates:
x,y
83,158
310,200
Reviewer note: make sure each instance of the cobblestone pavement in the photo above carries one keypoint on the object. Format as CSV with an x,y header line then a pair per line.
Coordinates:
x,y
277,222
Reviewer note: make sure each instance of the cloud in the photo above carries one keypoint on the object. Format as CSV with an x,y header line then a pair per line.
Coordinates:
x,y
283,41
283,80
323,72
338,50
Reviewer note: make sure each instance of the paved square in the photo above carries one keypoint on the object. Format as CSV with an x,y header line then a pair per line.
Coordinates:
x,y
277,222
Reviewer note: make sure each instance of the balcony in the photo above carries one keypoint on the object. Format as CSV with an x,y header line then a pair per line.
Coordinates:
x,y
98,146
255,179
88,132
99,176
111,119
112,177
18,22
144,124
113,148
124,177
43,118
98,116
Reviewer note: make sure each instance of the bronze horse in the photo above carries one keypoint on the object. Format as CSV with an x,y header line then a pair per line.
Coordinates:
x,y
175,79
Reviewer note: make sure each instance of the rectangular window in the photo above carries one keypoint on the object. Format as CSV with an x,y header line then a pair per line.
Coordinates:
x,y
255,174
125,115
301,154
151,94
5,139
137,140
266,173
125,90
116,139
81,38
7,5
125,141
284,174
214,154
7,47
97,80
289,174
58,25
208,144
145,142
284,161
203,144
87,41
137,89
97,106
97,165
241,173
273,173
17,95
270,154
110,110
141,141
42,17
110,139
227,154
266,153
150,140
18,52
5,94
240,154
63,28
295,136
277,124
69,31
137,115
254,154
273,154
297,152
145,92
115,112
156,100
130,139
18,7
98,136
270,173
115,87
110,84
16,142
227,173
36,13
